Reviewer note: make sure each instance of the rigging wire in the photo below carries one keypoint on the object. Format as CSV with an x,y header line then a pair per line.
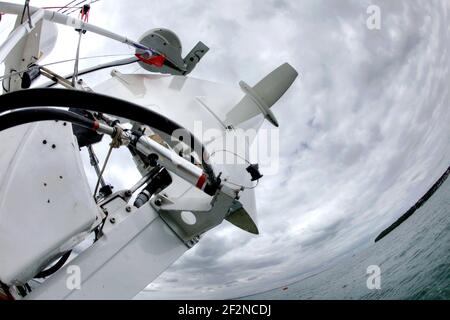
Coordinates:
x,y
69,12
66,6
103,170
242,158
77,59
108,65
116,143
63,61
56,7
241,186
75,5
233,153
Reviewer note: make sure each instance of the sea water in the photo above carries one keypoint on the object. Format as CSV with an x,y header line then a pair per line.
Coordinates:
x,y
413,262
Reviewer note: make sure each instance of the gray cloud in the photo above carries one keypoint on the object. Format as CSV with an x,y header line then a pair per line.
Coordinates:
x,y
364,130
371,107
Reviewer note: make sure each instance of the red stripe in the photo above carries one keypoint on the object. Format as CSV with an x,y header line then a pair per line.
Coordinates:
x,y
96,125
201,181
157,61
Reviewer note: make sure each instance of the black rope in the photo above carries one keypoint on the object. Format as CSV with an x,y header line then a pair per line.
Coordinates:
x,y
26,8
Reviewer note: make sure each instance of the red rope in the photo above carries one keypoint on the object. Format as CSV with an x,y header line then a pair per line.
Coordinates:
x,y
84,13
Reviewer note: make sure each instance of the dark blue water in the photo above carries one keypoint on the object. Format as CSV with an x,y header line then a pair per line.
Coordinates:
x,y
414,261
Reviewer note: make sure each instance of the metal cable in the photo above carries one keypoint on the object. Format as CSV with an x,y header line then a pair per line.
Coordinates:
x,y
116,142
77,4
242,158
103,170
62,8
77,58
69,13
65,61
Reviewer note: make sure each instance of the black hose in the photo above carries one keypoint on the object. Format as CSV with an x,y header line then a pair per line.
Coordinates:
x,y
24,116
48,272
44,97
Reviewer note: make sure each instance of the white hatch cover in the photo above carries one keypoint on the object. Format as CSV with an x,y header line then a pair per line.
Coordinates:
x,y
45,201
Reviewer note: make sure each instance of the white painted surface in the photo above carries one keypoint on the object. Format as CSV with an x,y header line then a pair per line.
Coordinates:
x,y
45,200
135,250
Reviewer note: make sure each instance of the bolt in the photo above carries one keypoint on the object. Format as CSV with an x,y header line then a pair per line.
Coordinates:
x,y
128,209
158,202
112,220
128,193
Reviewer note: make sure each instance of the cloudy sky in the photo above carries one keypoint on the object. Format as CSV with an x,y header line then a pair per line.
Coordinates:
x,y
364,130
